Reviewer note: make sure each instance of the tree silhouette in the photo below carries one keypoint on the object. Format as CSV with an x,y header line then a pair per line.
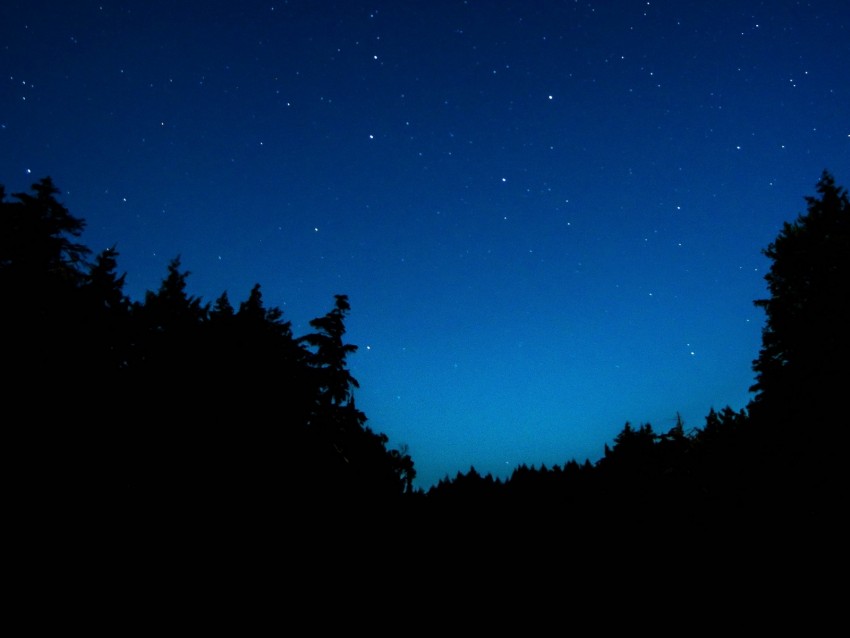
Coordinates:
x,y
168,404
171,404
330,354
805,343
802,367
356,464
36,235
43,327
41,266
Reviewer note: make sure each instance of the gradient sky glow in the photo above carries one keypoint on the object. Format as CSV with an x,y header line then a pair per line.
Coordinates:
x,y
548,216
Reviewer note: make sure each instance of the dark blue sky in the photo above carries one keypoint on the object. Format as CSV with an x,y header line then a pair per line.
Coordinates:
x,y
548,216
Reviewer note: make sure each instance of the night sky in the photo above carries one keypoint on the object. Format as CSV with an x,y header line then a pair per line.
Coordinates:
x,y
548,216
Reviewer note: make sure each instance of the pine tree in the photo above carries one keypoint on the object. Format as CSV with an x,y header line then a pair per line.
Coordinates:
x,y
37,235
802,367
802,370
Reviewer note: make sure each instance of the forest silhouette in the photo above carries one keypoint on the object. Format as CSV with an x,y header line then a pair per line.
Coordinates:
x,y
171,407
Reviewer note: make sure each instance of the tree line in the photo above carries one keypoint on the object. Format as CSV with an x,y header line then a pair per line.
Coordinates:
x,y
172,404
778,457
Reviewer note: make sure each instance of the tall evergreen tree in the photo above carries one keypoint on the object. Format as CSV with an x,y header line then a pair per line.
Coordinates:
x,y
354,460
37,235
330,354
802,367
46,345
41,267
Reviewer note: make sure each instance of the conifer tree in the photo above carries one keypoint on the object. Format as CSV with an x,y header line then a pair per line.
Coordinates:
x,y
802,367
802,371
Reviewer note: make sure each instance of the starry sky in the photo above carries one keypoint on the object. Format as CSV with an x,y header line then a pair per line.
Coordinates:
x,y
548,216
